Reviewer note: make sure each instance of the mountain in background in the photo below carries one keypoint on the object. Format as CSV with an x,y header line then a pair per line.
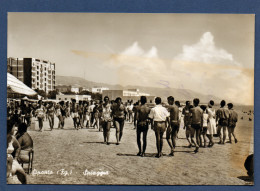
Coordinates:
x,y
178,94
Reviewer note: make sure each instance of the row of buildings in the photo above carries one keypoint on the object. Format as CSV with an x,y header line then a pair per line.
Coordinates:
x,y
126,95
40,74
78,89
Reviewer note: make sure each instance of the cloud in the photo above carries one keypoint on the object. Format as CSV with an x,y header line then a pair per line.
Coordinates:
x,y
201,67
206,52
137,66
214,71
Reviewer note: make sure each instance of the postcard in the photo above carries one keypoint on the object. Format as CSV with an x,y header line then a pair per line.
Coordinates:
x,y
130,98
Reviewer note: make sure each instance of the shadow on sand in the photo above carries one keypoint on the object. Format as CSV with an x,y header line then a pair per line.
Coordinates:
x,y
185,152
150,154
135,155
98,142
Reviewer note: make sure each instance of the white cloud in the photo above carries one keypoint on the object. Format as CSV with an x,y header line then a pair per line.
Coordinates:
x,y
137,66
201,67
134,50
205,51
214,71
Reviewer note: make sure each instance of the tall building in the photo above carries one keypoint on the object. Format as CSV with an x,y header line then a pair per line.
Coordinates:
x,y
35,73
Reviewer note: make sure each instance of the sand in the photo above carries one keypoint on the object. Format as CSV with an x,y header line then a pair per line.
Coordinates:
x,y
79,151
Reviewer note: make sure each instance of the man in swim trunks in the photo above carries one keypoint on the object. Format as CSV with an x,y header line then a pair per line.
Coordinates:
x,y
196,123
173,125
142,122
187,121
118,113
233,117
222,117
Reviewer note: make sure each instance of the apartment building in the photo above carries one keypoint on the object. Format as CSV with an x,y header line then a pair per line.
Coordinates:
x,y
35,73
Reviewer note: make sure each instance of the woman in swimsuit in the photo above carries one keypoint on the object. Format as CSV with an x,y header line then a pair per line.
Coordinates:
x,y
13,152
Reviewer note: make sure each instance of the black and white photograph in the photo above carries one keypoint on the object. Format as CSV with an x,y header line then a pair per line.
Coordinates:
x,y
130,98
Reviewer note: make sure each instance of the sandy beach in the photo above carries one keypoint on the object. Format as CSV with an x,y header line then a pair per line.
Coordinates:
x,y
69,156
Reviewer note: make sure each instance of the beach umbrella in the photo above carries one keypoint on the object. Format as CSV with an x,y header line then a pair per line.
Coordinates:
x,y
16,86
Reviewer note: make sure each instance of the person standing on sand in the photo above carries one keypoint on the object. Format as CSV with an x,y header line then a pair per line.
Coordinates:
x,y
211,124
63,113
130,112
91,110
87,115
106,118
80,112
74,114
118,113
204,125
178,104
233,117
67,109
187,121
159,115
136,105
174,124
222,117
59,115
96,117
196,123
51,113
40,112
142,123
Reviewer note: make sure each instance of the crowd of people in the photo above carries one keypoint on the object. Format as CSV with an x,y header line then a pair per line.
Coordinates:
x,y
201,123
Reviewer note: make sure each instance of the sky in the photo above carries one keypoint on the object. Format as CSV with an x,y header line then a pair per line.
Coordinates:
x,y
209,53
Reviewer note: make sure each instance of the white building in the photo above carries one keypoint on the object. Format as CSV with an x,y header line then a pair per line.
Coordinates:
x,y
127,95
76,97
134,92
75,89
99,89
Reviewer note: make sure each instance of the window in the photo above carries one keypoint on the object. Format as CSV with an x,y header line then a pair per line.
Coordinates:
x,y
37,77
37,67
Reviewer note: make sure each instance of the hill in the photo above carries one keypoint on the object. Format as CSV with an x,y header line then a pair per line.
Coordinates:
x,y
179,94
